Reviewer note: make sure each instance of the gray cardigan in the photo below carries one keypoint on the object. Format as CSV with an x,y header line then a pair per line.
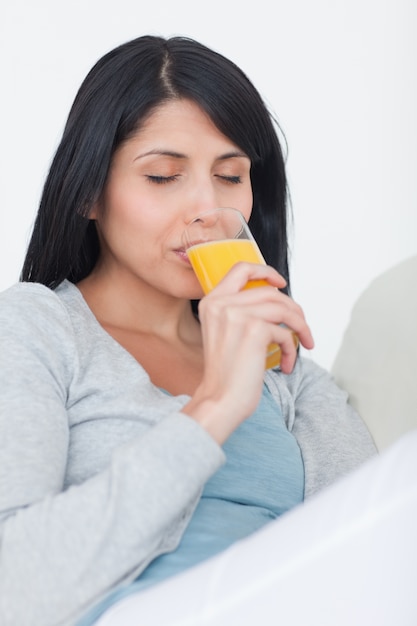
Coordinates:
x,y
99,470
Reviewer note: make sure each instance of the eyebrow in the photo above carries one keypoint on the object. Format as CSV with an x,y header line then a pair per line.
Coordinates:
x,y
178,155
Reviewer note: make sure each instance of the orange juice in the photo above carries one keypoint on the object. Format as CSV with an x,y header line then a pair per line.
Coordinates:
x,y
212,260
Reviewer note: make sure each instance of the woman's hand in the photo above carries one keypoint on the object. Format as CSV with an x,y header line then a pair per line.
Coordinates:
x,y
237,326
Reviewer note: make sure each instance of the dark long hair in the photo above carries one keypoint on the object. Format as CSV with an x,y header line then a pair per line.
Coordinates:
x,y
119,92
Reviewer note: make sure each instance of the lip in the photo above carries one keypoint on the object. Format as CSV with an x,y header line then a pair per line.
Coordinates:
x,y
181,254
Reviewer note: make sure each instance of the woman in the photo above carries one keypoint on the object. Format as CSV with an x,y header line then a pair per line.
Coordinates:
x,y
139,436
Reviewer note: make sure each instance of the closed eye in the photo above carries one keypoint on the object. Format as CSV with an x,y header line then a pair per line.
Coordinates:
x,y
161,180
233,180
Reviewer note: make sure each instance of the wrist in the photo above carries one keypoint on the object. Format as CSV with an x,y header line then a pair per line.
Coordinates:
x,y
212,415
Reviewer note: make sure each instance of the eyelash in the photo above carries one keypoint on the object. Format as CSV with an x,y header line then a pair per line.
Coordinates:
x,y
163,180
233,180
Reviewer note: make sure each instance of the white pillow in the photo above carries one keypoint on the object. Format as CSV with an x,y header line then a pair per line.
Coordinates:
x,y
377,360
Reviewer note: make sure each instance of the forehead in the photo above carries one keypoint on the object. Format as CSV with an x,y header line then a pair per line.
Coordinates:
x,y
177,117
179,127
177,108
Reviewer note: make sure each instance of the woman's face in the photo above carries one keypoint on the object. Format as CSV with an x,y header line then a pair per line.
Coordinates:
x,y
177,166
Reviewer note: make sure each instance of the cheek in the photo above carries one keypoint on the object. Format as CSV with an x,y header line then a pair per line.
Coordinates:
x,y
133,229
122,211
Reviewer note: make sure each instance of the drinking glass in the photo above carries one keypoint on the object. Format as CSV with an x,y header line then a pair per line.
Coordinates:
x,y
214,242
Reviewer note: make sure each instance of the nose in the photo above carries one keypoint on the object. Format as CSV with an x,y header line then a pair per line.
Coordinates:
x,y
201,198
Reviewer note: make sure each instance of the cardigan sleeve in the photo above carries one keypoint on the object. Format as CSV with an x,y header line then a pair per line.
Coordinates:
x,y
62,550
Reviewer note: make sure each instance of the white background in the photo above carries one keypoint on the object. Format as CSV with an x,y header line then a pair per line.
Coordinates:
x,y
340,75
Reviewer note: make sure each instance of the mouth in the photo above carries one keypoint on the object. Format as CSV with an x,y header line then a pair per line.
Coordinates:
x,y
181,254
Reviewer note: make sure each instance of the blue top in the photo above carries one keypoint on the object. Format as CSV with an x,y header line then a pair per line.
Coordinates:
x,y
262,478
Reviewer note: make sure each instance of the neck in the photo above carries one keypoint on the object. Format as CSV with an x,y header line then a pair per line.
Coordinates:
x,y
129,304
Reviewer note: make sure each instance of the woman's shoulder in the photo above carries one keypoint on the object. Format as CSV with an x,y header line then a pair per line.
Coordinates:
x,y
30,301
26,299
34,314
36,334
23,289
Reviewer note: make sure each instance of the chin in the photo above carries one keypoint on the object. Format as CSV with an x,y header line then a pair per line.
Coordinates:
x,y
193,295
190,289
182,292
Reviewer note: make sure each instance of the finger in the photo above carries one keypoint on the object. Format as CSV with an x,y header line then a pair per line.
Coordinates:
x,y
264,303
286,340
241,273
284,311
247,328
